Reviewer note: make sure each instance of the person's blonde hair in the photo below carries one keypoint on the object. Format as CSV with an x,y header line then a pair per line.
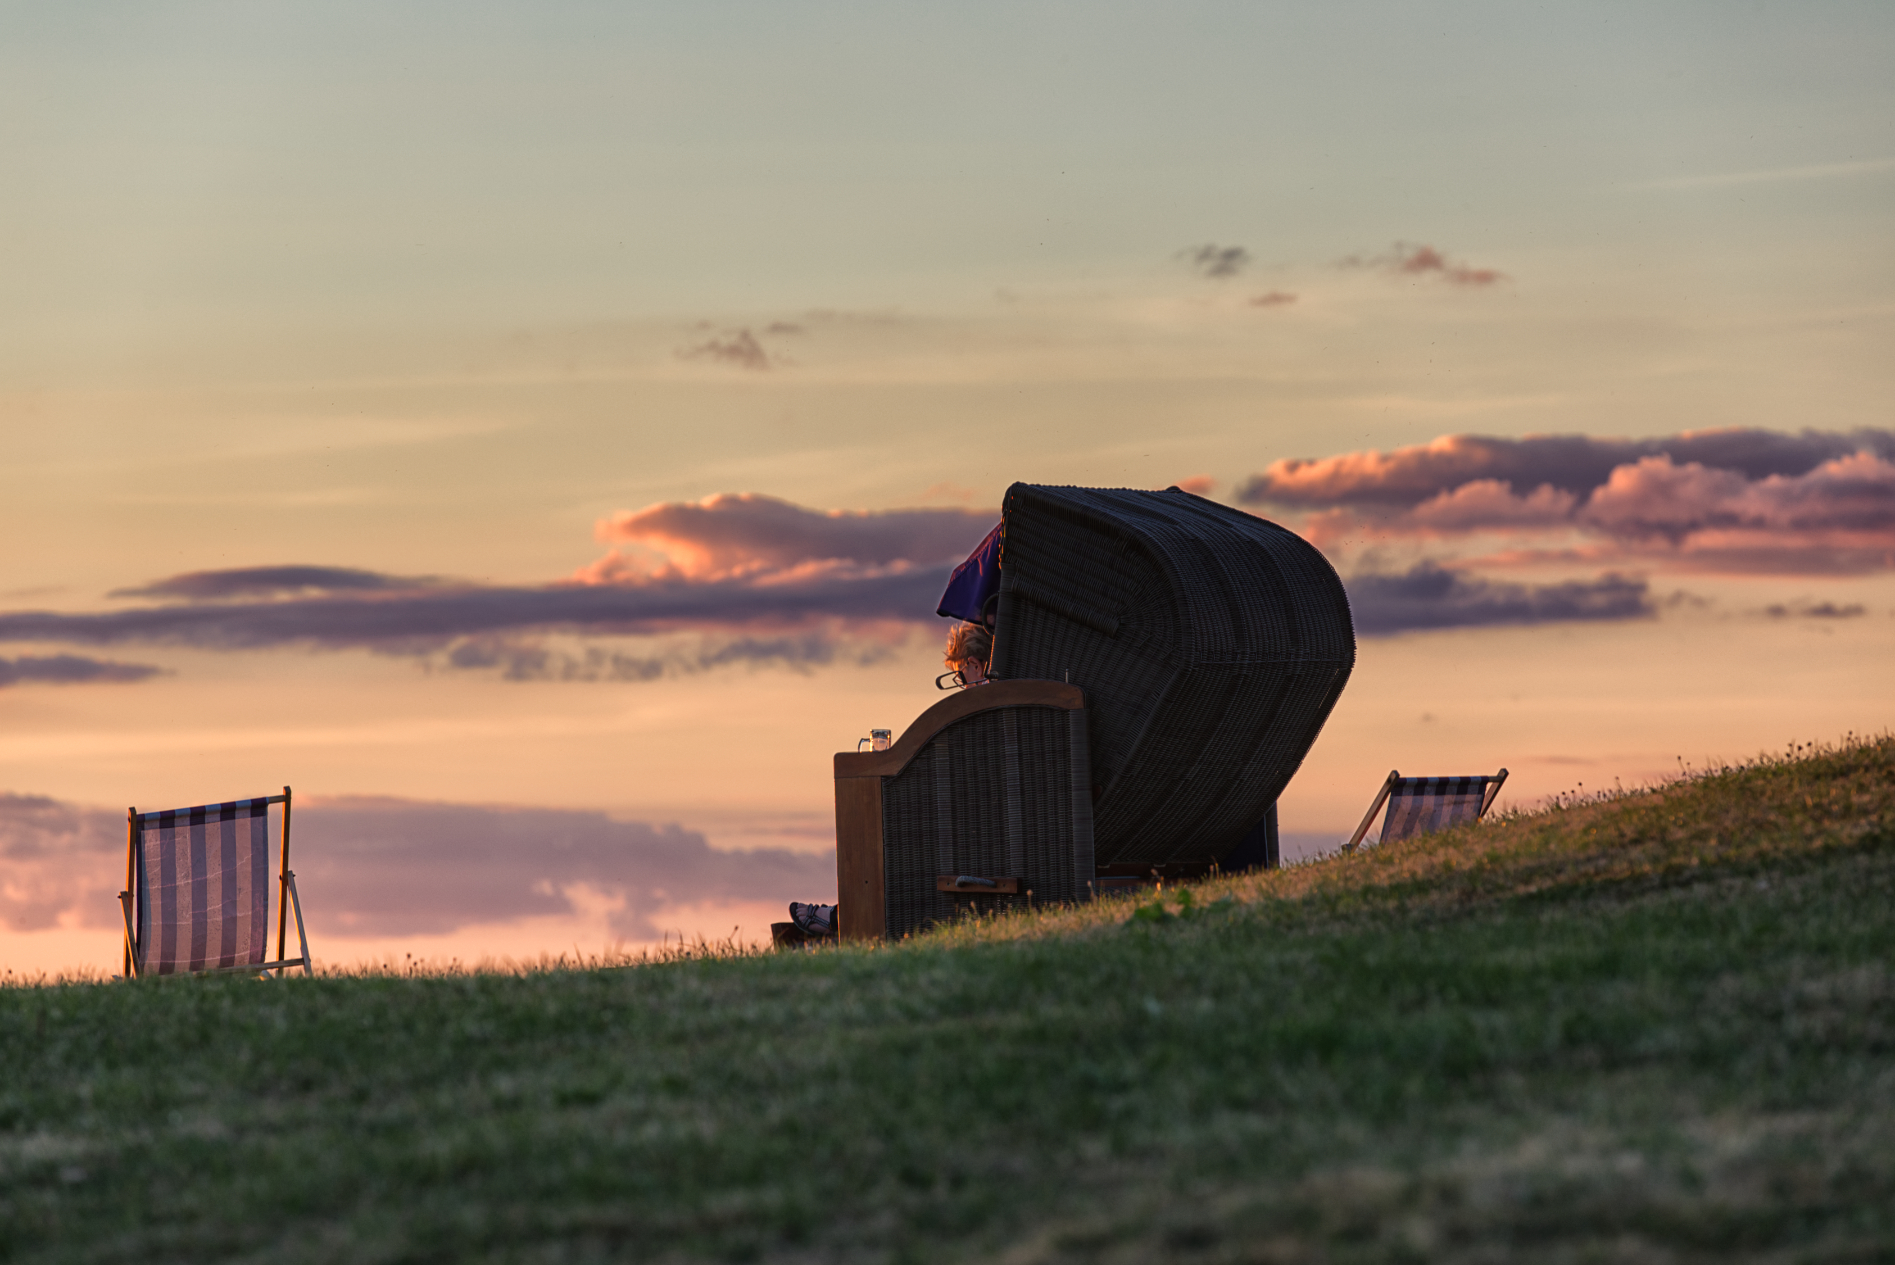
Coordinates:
x,y
968,641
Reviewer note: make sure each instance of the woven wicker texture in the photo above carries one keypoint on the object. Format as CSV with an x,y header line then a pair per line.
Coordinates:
x,y
1000,794
1211,646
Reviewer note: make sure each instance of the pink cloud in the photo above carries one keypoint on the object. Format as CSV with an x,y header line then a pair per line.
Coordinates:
x,y
1655,497
1405,476
1481,505
757,580
1751,501
1484,504
1838,518
1571,463
745,534
1413,260
56,857
947,490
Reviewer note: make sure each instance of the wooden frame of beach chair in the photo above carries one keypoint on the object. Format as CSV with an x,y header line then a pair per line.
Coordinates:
x,y
1490,789
983,803
134,900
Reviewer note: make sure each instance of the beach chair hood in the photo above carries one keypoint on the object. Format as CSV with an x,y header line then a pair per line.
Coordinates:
x,y
1210,644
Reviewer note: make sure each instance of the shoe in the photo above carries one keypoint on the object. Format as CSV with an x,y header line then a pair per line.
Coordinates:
x,y
813,920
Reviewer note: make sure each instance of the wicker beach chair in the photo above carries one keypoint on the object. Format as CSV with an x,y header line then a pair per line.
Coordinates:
x,y
197,890
1421,805
983,803
1161,666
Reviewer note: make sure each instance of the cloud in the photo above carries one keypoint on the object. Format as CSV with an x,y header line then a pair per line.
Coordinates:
x,y
735,534
204,586
57,858
1197,484
758,580
1275,298
1659,497
1837,518
1735,500
1489,503
741,349
1772,175
70,669
1815,610
1413,260
947,490
389,867
1429,596
1568,463
535,660
420,620
1212,260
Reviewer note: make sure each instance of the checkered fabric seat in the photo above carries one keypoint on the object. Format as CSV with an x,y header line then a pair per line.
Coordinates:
x,y
1420,805
197,895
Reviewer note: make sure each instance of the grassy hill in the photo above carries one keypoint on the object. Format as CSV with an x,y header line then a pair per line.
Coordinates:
x,y
1659,1026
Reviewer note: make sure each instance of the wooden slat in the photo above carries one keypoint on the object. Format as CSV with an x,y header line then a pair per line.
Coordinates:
x,y
131,887
1494,784
259,968
1381,797
282,883
862,910
131,959
302,939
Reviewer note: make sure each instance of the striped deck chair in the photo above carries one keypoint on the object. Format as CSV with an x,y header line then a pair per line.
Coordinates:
x,y
1419,805
197,890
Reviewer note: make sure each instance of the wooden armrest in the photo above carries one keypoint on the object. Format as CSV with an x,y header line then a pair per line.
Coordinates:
x,y
958,706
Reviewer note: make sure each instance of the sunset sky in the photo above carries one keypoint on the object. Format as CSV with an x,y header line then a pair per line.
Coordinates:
x,y
539,432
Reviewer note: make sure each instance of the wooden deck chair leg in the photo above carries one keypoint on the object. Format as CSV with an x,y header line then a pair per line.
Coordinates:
x,y
131,865
283,884
1493,793
302,939
131,941
1381,797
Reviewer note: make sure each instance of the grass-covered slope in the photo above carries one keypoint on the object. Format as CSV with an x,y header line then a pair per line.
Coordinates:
x,y
1654,1027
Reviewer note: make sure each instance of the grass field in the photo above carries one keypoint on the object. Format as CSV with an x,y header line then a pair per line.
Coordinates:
x,y
1652,1027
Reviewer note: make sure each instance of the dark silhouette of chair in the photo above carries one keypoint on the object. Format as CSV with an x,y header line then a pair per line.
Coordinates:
x,y
1161,666
1421,805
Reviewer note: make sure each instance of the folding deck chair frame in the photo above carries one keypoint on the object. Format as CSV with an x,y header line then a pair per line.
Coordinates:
x,y
1395,779
287,899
